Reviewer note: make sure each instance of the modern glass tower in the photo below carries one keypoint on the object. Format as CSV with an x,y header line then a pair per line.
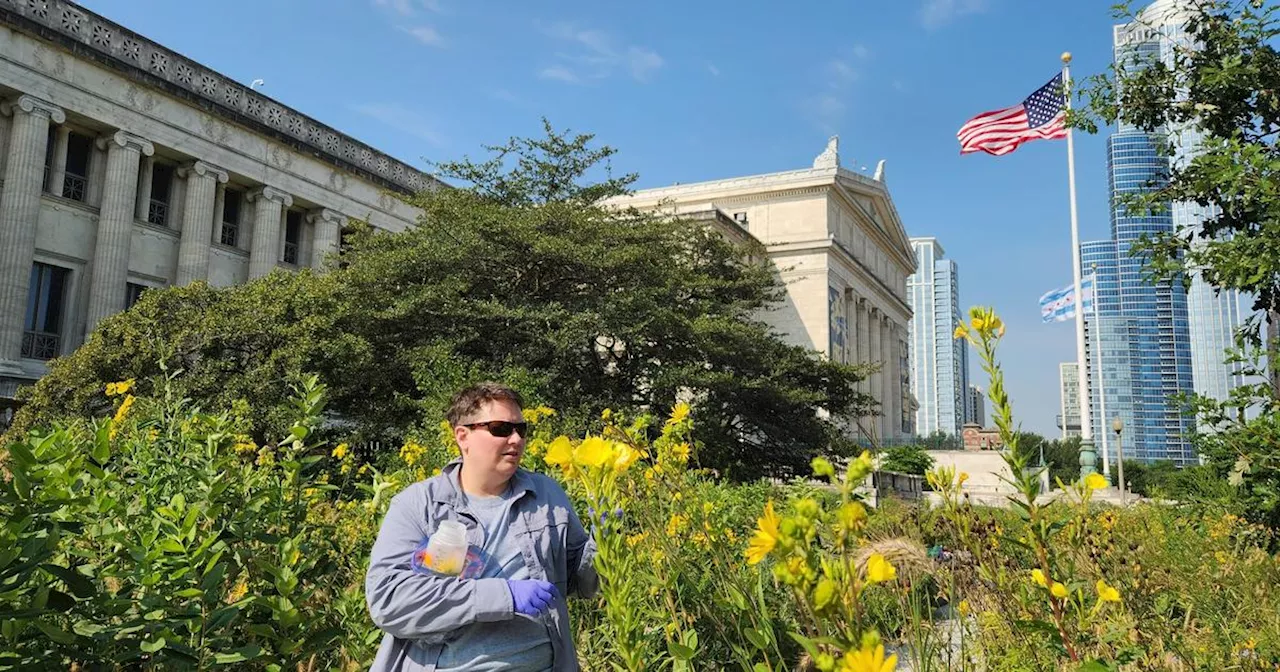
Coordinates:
x,y
1139,338
939,362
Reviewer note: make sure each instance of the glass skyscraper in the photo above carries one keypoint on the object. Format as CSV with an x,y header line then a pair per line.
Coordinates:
x,y
1150,341
939,362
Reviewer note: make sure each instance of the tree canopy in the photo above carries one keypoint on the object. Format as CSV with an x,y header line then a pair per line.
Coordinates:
x,y
524,274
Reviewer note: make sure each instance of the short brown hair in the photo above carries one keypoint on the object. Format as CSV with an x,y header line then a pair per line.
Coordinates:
x,y
469,400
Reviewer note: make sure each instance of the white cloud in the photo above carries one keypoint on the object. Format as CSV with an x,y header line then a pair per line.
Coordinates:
x,y
841,72
411,7
861,52
559,73
711,68
641,62
402,119
937,13
425,34
595,54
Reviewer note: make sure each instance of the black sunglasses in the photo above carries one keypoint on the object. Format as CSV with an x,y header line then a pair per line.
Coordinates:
x,y
501,428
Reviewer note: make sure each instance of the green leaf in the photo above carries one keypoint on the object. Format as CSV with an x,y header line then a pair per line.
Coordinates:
x,y
222,618
22,455
55,633
171,546
87,628
238,656
1095,666
190,592
680,651
758,639
80,585
151,646
102,444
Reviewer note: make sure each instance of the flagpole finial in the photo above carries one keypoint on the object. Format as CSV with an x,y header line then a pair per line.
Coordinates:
x,y
1066,57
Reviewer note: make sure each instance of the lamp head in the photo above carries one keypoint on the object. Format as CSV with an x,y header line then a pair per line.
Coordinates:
x,y
1117,425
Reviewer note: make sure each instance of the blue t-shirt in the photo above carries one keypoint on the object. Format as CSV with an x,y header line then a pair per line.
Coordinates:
x,y
522,644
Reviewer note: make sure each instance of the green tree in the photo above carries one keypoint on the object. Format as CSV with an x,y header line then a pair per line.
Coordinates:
x,y
913,459
528,275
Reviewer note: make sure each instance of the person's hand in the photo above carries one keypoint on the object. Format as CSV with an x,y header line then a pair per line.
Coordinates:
x,y
531,597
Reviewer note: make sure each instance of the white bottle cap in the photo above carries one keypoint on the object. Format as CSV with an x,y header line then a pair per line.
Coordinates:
x,y
452,533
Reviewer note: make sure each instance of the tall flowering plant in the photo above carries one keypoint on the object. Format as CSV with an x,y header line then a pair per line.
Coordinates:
x,y
819,554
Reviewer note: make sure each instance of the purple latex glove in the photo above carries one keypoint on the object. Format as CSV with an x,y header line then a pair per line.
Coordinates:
x,y
531,597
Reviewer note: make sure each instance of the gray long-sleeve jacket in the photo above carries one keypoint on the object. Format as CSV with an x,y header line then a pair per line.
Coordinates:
x,y
419,612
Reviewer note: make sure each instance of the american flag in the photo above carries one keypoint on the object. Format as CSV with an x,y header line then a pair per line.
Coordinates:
x,y
1040,116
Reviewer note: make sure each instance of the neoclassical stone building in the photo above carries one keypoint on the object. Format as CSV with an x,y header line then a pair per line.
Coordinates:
x,y
840,249
127,166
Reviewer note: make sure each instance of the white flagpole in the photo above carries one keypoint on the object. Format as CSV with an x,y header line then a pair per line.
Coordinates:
x,y
1088,459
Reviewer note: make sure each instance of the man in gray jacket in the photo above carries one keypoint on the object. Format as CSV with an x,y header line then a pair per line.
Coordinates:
x,y
528,551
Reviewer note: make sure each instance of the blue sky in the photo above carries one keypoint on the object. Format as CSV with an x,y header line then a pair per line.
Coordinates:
x,y
690,91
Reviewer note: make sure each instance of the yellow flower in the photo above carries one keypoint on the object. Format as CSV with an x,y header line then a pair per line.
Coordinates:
x,y
266,457
634,539
341,451
1107,593
765,536
867,659
1058,590
594,451
560,452
245,446
606,414
1094,481
879,569
678,414
624,457
124,408
238,591
961,332
964,607
964,476
121,387
681,452
676,525
1039,577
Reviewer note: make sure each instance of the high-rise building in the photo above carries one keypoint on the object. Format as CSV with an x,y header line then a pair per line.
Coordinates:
x,y
1140,338
939,361
975,411
1069,395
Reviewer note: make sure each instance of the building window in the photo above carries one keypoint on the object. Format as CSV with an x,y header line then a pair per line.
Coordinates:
x,y
42,336
292,234
232,200
132,293
75,179
161,189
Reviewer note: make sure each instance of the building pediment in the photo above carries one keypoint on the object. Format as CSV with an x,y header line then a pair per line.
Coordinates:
x,y
871,201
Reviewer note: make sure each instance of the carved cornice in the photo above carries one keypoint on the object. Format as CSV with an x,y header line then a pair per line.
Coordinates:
x,y
204,169
126,140
89,35
270,194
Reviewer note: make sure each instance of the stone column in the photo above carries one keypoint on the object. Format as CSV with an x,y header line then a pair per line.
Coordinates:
x,y
143,204
886,380
219,210
328,225
264,251
876,387
58,166
894,367
864,341
115,226
19,210
197,220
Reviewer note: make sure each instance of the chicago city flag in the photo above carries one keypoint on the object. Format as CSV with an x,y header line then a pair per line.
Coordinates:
x,y
1060,304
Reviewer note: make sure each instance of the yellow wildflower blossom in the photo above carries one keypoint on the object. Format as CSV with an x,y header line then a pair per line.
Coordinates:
x,y
1107,593
560,452
964,476
1095,481
624,457
678,414
880,570
606,414
341,451
1058,590
868,659
237,593
411,452
115,389
676,525
266,457
680,451
1038,576
765,537
594,452
124,408
961,332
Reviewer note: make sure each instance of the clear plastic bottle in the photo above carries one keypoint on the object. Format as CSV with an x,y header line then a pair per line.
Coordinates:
x,y
447,549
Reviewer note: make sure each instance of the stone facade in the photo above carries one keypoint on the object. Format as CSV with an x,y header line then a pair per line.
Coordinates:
x,y
840,249
127,166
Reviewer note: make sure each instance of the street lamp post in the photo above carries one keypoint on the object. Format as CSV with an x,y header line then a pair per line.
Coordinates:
x,y
1117,426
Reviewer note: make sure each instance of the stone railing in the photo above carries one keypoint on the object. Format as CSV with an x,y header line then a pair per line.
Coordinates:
x,y
98,35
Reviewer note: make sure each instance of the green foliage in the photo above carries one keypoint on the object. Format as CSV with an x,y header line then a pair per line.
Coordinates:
x,y
525,276
1061,456
157,539
907,460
